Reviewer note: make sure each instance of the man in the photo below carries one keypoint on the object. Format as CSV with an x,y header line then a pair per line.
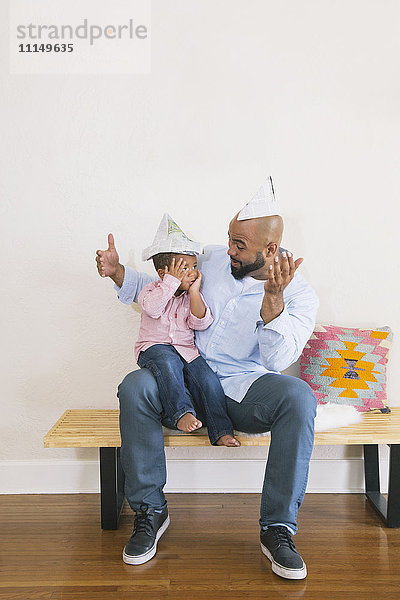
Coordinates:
x,y
264,313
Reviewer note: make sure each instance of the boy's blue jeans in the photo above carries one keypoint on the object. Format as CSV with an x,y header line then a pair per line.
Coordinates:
x,y
206,401
281,404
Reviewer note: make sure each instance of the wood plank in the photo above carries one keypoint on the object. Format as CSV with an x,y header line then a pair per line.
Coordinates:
x,y
52,549
94,428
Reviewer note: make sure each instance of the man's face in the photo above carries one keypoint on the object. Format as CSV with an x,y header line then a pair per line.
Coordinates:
x,y
248,257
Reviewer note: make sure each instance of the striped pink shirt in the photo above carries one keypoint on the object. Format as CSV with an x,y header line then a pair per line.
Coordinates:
x,y
166,318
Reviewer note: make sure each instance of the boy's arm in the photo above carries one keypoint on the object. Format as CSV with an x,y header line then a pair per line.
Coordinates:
x,y
155,296
198,307
200,316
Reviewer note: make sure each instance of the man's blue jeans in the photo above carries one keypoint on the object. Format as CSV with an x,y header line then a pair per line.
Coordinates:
x,y
281,404
207,400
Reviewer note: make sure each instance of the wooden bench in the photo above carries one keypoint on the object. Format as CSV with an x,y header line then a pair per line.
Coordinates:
x,y
100,429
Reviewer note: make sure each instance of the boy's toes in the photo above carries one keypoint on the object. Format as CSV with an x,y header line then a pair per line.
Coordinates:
x,y
188,423
228,440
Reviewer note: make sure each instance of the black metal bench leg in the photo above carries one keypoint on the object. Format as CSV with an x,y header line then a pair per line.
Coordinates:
x,y
393,510
389,510
372,485
112,481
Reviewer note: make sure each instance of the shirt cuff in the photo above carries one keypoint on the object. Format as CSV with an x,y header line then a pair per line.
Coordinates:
x,y
204,321
171,282
281,324
126,292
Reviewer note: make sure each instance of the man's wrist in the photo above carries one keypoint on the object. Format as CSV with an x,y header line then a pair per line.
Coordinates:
x,y
119,275
272,306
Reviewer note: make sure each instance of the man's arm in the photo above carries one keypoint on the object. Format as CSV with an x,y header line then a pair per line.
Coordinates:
x,y
128,282
288,314
282,339
280,274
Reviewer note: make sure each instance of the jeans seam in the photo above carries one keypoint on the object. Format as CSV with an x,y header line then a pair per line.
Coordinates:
x,y
160,382
218,435
205,403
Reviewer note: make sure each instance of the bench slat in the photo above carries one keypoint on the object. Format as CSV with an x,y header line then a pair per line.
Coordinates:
x,y
96,428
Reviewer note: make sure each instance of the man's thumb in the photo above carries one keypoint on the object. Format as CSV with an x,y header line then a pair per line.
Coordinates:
x,y
111,244
298,262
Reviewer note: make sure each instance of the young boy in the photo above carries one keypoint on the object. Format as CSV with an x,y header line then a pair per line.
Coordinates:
x,y
172,309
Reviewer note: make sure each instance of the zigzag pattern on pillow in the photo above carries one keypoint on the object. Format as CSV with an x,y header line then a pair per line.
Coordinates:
x,y
347,365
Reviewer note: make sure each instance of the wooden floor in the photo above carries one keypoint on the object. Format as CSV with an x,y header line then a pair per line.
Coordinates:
x,y
52,548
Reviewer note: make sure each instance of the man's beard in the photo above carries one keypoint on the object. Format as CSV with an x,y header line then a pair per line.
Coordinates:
x,y
243,270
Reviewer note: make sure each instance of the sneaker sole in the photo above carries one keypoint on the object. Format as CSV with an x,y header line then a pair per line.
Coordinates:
x,y
284,571
142,558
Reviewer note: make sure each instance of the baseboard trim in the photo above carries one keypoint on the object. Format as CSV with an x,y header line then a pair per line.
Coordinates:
x,y
184,476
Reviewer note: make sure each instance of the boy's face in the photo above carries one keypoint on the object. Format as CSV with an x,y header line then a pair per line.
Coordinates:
x,y
190,271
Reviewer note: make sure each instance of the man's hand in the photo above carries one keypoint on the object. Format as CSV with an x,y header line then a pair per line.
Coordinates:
x,y
176,269
108,263
280,274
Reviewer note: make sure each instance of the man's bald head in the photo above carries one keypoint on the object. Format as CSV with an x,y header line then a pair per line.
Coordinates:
x,y
253,244
263,230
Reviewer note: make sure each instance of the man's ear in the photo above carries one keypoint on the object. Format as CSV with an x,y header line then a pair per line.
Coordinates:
x,y
271,250
161,273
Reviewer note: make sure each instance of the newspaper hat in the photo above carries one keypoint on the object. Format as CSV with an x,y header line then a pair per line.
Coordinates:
x,y
170,238
263,204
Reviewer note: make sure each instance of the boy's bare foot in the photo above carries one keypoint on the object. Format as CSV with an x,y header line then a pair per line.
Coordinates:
x,y
189,423
227,440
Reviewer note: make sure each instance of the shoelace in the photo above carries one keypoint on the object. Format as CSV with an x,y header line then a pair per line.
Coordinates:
x,y
143,520
282,537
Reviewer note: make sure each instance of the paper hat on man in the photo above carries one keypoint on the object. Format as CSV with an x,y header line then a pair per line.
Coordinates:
x,y
263,204
170,238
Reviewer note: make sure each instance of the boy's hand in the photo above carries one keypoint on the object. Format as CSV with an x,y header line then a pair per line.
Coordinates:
x,y
107,260
176,269
195,287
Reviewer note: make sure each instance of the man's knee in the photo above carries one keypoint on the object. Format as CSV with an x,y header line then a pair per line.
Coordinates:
x,y
299,397
138,388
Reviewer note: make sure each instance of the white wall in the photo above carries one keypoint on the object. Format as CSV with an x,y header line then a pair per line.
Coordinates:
x,y
307,91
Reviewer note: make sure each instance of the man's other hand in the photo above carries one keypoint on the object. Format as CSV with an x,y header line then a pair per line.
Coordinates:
x,y
108,260
281,273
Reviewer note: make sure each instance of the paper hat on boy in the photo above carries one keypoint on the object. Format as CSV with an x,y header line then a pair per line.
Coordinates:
x,y
170,238
263,204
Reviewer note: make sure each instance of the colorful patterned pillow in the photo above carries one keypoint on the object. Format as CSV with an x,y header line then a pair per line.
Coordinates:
x,y
348,366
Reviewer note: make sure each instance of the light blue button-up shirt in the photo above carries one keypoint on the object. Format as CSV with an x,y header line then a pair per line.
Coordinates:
x,y
238,346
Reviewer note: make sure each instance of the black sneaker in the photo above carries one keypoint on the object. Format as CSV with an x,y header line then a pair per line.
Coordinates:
x,y
278,546
149,526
